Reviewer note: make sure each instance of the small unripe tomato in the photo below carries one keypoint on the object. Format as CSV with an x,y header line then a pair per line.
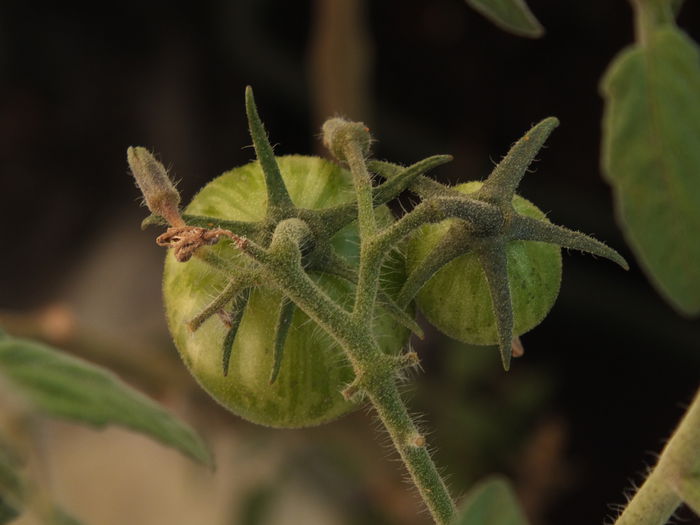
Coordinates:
x,y
307,390
457,299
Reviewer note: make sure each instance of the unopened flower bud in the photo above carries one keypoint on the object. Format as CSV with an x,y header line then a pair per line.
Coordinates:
x,y
339,133
152,179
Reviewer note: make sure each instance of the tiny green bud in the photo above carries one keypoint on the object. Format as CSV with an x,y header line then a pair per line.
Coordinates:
x,y
339,133
152,179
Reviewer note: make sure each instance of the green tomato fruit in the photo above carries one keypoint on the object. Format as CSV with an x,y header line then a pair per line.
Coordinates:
x,y
314,369
457,299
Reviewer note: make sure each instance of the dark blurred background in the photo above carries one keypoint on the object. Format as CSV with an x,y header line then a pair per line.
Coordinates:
x,y
604,378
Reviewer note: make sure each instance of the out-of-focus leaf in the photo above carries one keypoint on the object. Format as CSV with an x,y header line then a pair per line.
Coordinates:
x,y
7,512
513,16
11,486
676,6
256,506
18,495
491,502
60,517
64,386
651,156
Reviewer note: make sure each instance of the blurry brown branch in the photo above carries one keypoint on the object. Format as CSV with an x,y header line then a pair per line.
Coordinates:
x,y
340,61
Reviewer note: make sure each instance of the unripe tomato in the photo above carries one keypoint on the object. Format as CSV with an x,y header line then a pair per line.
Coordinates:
x,y
457,299
314,369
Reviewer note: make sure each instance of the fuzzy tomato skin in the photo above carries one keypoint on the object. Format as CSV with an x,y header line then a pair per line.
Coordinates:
x,y
457,300
314,369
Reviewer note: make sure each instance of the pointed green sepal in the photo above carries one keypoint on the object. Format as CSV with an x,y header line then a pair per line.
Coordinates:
x,y
398,314
284,320
153,220
501,184
406,177
277,194
233,287
529,229
397,180
334,218
235,317
494,261
452,245
422,186
513,16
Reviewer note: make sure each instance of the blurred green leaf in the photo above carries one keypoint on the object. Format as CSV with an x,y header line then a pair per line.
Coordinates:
x,y
256,505
651,156
11,486
7,512
491,502
676,6
60,517
513,16
18,495
67,387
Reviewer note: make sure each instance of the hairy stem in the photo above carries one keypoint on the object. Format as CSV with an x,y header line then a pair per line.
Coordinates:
x,y
661,493
411,445
368,274
375,375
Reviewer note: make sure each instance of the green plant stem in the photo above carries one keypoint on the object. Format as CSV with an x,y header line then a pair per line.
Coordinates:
x,y
338,267
406,177
649,15
411,446
368,274
658,497
374,372
437,209
363,187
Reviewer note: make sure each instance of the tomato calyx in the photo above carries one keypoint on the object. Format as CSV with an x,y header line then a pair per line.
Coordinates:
x,y
268,272
191,235
484,223
487,235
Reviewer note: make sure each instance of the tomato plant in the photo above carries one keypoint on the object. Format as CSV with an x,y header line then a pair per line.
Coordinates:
x,y
280,236
457,299
287,312
313,372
